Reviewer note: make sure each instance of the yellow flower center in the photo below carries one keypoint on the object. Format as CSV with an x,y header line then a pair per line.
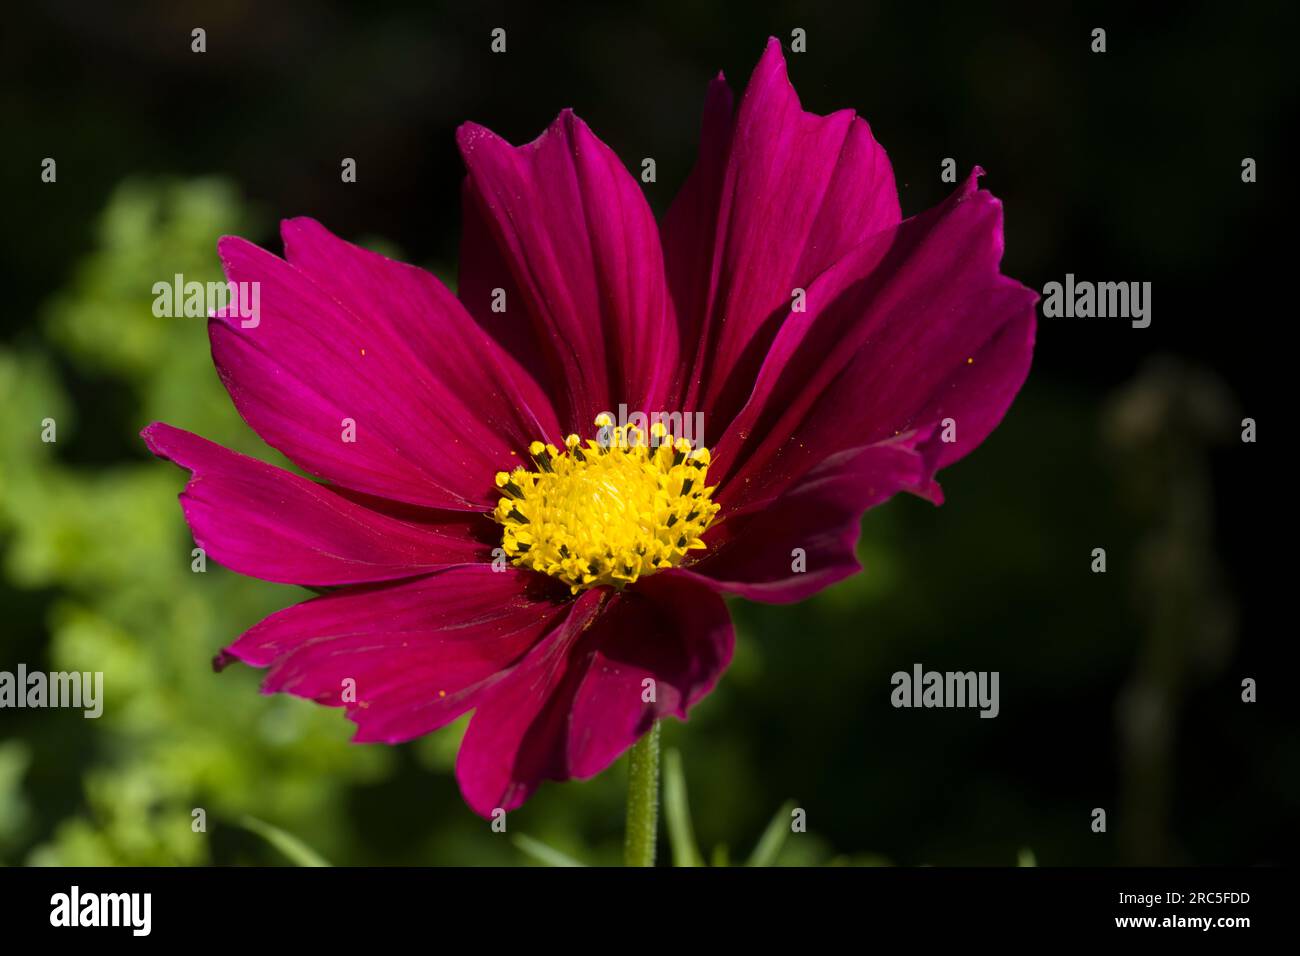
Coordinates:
x,y
608,512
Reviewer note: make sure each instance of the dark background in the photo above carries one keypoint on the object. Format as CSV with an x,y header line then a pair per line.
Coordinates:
x,y
1119,690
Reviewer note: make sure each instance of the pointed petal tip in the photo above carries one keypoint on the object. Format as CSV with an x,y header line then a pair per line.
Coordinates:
x,y
299,224
155,436
972,181
470,134
773,60
229,247
970,188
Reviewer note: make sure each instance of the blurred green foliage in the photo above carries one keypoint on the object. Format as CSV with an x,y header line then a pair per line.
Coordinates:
x,y
107,539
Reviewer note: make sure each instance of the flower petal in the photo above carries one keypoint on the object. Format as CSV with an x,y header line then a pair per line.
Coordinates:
x,y
417,654
909,329
797,191
501,397
753,555
574,236
512,741
576,703
348,336
667,634
691,223
269,523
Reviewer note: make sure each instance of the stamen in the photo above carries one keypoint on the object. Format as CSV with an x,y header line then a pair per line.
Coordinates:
x,y
608,513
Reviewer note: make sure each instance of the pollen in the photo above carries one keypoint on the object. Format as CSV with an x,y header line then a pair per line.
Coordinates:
x,y
606,512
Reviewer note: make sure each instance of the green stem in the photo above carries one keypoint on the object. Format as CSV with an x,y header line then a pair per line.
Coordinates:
x,y
642,801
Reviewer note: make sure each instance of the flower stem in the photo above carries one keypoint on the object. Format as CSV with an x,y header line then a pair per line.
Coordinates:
x,y
642,801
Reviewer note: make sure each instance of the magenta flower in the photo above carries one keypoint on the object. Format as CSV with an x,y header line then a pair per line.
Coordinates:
x,y
486,548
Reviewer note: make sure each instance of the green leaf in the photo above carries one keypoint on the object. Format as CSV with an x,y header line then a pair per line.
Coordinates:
x,y
542,853
677,813
1026,857
288,844
773,838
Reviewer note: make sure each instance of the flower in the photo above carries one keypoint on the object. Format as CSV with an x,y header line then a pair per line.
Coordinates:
x,y
485,547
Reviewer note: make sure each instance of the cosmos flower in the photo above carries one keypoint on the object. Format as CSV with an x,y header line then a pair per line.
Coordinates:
x,y
485,537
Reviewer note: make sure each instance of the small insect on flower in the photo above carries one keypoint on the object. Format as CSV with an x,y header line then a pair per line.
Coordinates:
x,y
836,353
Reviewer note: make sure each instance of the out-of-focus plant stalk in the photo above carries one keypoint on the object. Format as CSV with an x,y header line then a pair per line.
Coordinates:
x,y
1165,423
